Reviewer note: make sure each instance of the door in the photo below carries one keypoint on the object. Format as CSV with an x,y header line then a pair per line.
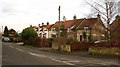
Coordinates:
x,y
80,37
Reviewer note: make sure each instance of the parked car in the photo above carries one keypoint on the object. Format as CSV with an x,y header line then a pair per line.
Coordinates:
x,y
102,43
17,40
6,39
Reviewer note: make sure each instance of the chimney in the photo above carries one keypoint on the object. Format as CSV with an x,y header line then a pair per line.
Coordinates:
x,y
31,26
42,24
99,18
38,25
64,18
117,17
74,17
47,23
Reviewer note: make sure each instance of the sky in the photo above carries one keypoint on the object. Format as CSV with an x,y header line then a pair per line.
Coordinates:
x,y
19,14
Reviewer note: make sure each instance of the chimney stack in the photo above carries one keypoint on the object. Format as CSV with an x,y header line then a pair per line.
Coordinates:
x,y
99,18
31,26
74,17
64,18
42,24
47,23
38,25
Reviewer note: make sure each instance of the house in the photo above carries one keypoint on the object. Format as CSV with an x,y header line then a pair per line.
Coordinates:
x,y
87,29
64,27
81,29
43,30
11,32
115,29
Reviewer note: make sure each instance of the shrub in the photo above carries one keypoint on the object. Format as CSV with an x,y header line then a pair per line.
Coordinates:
x,y
70,40
28,35
42,42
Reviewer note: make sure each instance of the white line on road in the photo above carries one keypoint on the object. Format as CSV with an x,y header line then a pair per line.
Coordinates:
x,y
73,61
19,49
65,62
11,46
36,54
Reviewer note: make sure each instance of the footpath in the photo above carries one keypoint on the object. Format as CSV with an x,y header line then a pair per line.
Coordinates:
x,y
74,53
77,53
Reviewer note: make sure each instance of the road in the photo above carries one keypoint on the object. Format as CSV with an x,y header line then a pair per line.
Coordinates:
x,y
12,54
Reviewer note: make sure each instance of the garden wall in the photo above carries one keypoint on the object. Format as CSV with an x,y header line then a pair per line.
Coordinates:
x,y
105,50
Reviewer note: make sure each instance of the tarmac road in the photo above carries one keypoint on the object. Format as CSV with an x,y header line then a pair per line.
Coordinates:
x,y
12,54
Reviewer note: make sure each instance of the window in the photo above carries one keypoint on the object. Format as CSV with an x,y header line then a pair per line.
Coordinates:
x,y
68,30
86,28
94,35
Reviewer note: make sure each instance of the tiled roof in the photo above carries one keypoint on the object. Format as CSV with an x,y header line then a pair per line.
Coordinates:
x,y
46,26
116,23
88,22
78,23
66,24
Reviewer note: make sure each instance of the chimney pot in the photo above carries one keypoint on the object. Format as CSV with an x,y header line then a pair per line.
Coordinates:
x,y
47,23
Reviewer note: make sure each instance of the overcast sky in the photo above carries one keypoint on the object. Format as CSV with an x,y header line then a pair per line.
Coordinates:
x,y
18,14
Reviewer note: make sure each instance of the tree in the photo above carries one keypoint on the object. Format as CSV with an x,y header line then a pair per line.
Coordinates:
x,y
108,10
6,33
28,35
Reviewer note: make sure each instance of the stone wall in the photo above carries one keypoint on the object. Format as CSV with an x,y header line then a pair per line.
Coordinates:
x,y
105,51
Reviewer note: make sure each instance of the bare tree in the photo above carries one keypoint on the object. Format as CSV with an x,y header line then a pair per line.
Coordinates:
x,y
107,9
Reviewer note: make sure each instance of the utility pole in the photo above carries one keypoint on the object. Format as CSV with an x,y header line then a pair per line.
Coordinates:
x,y
2,29
59,23
59,29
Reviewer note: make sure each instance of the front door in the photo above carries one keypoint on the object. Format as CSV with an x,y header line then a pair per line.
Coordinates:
x,y
80,37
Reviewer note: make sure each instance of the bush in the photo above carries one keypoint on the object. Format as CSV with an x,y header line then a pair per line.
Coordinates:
x,y
70,40
28,35
81,45
108,44
42,42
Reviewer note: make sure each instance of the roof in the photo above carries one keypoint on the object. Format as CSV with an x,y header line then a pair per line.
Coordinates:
x,y
80,23
116,23
46,26
66,24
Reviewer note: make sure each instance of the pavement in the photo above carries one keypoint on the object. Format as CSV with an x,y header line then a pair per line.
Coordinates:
x,y
76,53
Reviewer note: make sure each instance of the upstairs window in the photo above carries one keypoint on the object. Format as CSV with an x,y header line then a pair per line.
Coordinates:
x,y
86,28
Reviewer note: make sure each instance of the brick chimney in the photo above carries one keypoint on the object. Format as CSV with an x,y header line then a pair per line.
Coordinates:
x,y
74,17
118,19
38,25
47,23
99,18
42,24
64,18
31,26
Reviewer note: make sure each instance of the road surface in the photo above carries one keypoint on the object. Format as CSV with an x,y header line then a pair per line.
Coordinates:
x,y
12,54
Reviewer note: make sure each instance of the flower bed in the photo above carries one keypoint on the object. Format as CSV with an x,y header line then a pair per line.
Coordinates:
x,y
105,50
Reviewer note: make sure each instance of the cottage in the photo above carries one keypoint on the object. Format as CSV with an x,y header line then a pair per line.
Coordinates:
x,y
89,29
115,29
43,30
